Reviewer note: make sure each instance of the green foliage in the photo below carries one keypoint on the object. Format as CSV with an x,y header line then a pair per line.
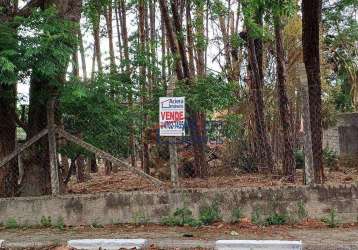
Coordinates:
x,y
208,94
301,210
299,158
59,224
330,158
237,215
11,223
181,217
331,220
256,217
105,117
46,221
95,224
140,218
276,219
210,214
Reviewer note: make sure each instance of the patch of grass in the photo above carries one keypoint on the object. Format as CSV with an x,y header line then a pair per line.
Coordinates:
x,y
210,214
236,215
181,217
256,217
11,223
46,221
60,224
331,220
140,218
276,219
95,224
301,210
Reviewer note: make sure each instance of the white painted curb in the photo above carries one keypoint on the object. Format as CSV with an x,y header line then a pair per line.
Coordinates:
x,y
257,244
108,244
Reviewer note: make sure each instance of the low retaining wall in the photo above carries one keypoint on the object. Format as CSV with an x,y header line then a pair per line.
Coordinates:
x,y
128,207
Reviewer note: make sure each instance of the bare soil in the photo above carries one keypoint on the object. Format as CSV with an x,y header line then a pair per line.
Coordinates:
x,y
127,181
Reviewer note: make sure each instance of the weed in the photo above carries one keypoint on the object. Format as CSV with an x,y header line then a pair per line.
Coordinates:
x,y
276,219
331,220
60,224
181,217
46,221
96,225
236,215
11,223
256,217
210,214
140,218
301,211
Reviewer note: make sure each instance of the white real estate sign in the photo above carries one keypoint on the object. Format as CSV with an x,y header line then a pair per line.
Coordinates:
x,y
172,116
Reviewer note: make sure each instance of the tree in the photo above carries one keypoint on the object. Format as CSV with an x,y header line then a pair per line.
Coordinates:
x,y
311,17
285,113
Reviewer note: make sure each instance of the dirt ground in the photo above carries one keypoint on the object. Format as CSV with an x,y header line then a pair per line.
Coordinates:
x,y
314,235
126,181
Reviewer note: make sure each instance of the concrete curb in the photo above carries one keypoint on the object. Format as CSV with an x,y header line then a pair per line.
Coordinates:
x,y
108,244
257,244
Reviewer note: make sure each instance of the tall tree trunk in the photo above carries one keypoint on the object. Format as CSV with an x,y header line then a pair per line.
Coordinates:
x,y
8,174
182,69
124,32
263,148
311,17
109,23
117,15
142,76
285,114
36,179
82,53
97,40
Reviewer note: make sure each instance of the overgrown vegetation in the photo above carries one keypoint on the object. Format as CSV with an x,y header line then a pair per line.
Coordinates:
x,y
11,223
331,220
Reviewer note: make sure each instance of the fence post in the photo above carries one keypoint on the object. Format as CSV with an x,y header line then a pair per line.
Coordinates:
x,y
55,184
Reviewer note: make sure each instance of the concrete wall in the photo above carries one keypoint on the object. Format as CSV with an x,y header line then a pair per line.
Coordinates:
x,y
124,207
343,137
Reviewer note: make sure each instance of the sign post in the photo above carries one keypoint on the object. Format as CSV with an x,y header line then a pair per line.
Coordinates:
x,y
171,124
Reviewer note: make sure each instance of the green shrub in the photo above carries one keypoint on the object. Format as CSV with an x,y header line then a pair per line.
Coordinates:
x,y
95,224
256,217
301,211
11,223
210,214
299,158
331,220
181,217
276,219
330,158
140,219
46,221
236,215
60,224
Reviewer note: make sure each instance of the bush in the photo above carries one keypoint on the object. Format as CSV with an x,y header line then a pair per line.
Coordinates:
x,y
301,211
60,224
11,223
181,217
256,217
331,220
236,215
140,219
210,214
46,222
330,158
276,219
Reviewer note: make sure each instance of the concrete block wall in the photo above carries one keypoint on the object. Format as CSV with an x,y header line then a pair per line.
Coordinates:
x,y
125,207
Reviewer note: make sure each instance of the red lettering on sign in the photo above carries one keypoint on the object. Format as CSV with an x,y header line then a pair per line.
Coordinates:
x,y
172,115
